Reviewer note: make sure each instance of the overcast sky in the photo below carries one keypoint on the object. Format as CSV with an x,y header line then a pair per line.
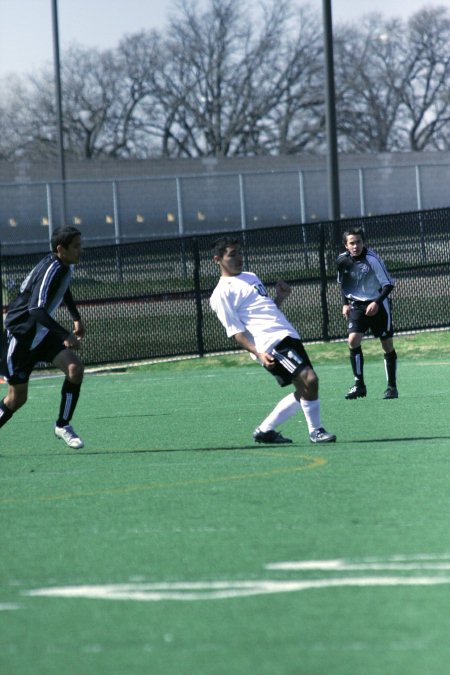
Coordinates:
x,y
26,25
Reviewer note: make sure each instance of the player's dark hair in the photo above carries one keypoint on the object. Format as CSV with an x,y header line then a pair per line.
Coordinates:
x,y
356,231
220,245
63,236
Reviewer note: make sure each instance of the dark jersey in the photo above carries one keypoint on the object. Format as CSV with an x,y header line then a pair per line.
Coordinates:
x,y
363,278
30,316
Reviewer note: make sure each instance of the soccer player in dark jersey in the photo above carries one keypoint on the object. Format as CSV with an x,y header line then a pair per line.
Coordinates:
x,y
365,287
33,335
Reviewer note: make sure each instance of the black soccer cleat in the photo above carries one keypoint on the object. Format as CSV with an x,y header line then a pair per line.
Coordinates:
x,y
357,391
270,436
391,392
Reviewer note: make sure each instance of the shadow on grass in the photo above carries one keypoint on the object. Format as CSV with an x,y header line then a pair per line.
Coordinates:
x,y
91,453
395,440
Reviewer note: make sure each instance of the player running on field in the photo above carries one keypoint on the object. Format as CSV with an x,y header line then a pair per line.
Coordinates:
x,y
33,335
365,287
248,314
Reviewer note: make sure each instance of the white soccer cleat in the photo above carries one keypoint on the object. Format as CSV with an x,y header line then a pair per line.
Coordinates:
x,y
321,436
68,435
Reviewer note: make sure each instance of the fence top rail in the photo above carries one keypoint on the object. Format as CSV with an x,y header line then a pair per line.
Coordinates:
x,y
208,175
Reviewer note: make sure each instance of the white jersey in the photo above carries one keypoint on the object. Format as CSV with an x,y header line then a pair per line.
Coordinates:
x,y
243,305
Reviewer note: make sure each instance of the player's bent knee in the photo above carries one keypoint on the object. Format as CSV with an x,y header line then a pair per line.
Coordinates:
x,y
309,382
15,400
354,341
75,372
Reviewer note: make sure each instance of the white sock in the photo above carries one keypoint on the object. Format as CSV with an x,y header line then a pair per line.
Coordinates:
x,y
287,407
311,410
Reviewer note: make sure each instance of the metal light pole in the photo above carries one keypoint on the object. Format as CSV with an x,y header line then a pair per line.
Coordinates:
x,y
57,69
334,208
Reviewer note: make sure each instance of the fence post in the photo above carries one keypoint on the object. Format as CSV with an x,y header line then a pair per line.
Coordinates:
x,y
323,283
48,192
362,200
181,225
1,290
301,185
117,232
242,202
198,298
116,213
419,208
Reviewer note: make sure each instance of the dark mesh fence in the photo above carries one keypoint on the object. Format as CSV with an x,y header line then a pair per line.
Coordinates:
x,y
151,299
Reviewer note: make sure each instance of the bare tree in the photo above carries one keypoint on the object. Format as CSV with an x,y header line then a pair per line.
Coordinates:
x,y
370,78
217,87
102,93
297,118
426,90
230,78
14,128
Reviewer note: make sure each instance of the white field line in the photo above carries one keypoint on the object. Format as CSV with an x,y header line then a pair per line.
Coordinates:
x,y
225,589
342,565
213,590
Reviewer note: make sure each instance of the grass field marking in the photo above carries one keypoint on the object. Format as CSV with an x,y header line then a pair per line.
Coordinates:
x,y
218,590
8,606
313,463
393,563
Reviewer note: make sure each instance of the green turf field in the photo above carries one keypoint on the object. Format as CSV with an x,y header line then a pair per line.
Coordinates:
x,y
173,545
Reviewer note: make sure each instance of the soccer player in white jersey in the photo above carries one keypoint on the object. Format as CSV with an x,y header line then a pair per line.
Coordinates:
x,y
365,287
254,320
33,335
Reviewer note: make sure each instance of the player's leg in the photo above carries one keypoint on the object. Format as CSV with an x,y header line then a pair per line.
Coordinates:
x,y
382,328
73,369
16,366
14,399
358,390
293,366
289,355
306,385
286,408
390,365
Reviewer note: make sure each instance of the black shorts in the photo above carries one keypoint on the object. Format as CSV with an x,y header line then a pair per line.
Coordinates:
x,y
290,359
380,324
18,360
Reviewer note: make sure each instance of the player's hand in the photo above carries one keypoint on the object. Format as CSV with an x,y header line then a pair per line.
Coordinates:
x,y
267,360
79,329
372,309
72,341
345,311
282,289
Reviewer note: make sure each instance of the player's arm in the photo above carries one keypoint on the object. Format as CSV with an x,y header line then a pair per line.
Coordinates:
x,y
345,305
373,307
282,291
345,302
71,340
386,284
39,303
344,263
79,329
243,341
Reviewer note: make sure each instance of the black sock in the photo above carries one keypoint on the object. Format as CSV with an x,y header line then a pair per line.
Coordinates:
x,y
357,361
390,363
69,398
5,414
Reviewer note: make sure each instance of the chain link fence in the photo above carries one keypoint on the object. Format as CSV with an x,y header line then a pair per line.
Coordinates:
x,y
151,299
143,208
